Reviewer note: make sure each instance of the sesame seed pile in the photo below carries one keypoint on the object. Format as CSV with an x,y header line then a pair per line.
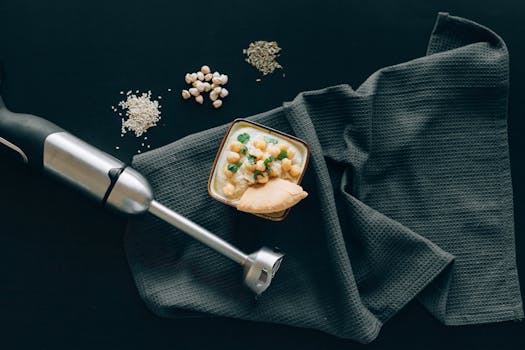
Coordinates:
x,y
262,55
141,112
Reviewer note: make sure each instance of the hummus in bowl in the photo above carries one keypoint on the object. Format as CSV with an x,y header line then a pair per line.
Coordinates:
x,y
252,156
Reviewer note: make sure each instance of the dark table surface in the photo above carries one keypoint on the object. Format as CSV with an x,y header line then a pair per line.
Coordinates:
x,y
64,279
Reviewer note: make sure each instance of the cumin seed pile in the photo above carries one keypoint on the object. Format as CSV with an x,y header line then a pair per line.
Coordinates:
x,y
262,55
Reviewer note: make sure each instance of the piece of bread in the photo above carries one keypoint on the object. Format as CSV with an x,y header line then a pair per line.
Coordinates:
x,y
276,195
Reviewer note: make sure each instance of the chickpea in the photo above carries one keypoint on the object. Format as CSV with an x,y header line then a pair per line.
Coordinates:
x,y
232,157
260,144
286,164
262,179
260,166
188,78
217,103
194,92
274,151
250,167
283,146
258,154
224,93
227,172
290,153
236,146
186,94
295,170
213,96
224,79
276,171
228,189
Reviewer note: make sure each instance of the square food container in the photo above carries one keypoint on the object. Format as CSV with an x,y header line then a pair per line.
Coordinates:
x,y
217,177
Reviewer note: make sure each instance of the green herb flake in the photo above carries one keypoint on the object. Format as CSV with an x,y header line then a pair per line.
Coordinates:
x,y
233,168
244,150
251,159
271,140
256,174
268,160
283,154
243,138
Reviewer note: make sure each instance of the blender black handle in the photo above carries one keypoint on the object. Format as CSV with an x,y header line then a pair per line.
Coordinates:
x,y
24,135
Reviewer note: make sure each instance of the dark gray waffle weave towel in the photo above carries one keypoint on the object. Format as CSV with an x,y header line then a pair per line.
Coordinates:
x,y
410,196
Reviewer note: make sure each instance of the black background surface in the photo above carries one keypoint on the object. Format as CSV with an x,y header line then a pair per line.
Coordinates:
x,y
64,279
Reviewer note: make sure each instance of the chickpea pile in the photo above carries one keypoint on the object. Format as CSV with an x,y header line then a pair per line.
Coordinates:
x,y
205,81
268,158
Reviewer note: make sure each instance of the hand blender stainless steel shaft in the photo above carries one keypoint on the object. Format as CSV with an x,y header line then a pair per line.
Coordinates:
x,y
43,145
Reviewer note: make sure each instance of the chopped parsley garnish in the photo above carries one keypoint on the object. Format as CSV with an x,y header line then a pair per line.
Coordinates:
x,y
234,167
256,174
244,150
251,159
270,140
268,160
243,138
283,154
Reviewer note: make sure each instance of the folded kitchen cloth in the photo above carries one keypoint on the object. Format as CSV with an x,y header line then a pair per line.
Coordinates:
x,y
410,197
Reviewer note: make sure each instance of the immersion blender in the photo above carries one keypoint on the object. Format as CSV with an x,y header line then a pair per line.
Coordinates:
x,y
43,145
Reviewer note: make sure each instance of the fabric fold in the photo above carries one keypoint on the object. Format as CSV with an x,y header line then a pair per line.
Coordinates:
x,y
410,196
